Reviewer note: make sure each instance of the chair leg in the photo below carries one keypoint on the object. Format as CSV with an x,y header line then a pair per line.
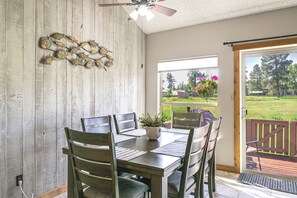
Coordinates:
x,y
200,190
210,184
258,157
147,194
213,175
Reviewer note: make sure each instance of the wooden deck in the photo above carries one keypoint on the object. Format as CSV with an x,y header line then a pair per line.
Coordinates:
x,y
275,164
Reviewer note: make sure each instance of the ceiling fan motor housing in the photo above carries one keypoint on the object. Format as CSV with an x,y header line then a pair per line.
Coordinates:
x,y
144,7
143,2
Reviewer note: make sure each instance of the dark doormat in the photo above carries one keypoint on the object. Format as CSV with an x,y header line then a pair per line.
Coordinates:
x,y
271,183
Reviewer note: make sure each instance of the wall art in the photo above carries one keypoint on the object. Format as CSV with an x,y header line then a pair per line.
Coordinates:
x,y
86,53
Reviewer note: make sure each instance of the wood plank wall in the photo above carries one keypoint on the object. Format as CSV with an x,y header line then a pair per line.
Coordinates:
x,y
37,101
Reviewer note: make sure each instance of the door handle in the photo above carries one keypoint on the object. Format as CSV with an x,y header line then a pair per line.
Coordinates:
x,y
244,113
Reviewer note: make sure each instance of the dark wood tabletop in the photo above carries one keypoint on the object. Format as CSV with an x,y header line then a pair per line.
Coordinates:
x,y
154,166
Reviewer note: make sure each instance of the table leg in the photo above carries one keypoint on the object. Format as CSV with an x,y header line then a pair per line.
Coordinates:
x,y
159,186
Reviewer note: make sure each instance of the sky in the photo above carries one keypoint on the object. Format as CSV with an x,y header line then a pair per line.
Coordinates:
x,y
181,76
250,62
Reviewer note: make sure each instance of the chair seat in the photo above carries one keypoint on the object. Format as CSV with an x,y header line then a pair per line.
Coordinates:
x,y
124,174
174,183
128,188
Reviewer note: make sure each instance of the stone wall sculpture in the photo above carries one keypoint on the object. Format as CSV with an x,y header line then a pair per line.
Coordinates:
x,y
86,53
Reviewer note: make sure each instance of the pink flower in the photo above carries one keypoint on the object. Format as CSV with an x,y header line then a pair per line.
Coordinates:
x,y
201,79
214,78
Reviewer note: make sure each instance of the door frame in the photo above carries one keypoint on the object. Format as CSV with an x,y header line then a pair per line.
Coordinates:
x,y
237,110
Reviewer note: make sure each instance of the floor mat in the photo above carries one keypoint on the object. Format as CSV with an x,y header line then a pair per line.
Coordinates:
x,y
271,183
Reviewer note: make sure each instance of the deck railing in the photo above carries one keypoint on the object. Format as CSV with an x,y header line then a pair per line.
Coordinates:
x,y
274,136
293,138
187,105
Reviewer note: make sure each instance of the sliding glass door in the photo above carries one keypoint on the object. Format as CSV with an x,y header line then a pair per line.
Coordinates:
x,y
268,110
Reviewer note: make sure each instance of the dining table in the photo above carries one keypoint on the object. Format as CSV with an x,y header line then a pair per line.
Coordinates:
x,y
152,159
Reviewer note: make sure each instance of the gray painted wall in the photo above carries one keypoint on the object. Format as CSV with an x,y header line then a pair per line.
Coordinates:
x,y
207,39
37,101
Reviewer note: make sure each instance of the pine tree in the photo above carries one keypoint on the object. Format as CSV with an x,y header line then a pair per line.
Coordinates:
x,y
171,81
255,82
293,78
275,68
192,79
181,86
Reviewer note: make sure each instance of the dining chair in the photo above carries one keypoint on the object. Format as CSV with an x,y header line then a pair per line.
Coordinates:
x,y
182,183
100,125
94,166
125,122
206,115
97,124
186,120
256,143
210,167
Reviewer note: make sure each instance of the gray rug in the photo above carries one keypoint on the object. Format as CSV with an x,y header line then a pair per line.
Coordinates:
x,y
271,183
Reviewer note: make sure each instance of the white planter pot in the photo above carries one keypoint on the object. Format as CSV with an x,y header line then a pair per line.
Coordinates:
x,y
153,133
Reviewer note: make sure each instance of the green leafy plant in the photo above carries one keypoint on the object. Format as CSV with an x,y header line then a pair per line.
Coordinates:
x,y
148,121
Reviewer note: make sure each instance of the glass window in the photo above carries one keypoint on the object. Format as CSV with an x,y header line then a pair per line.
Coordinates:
x,y
188,85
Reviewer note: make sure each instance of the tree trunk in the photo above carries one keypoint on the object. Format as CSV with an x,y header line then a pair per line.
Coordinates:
x,y
277,83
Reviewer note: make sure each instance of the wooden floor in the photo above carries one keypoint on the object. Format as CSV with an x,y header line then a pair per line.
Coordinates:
x,y
275,164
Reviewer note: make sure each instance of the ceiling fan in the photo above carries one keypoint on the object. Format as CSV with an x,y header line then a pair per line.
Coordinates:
x,y
144,8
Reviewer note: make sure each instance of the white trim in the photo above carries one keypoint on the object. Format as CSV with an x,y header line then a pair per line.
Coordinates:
x,y
284,49
191,104
188,64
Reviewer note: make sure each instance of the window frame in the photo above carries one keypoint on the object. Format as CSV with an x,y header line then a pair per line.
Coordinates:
x,y
160,79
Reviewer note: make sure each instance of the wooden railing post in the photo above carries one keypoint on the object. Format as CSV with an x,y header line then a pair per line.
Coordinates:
x,y
171,115
293,138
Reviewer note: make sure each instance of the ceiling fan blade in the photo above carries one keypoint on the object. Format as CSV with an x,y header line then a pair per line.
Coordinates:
x,y
115,4
164,10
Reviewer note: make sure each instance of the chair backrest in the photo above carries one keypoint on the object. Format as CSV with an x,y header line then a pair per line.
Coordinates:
x,y
97,124
125,122
206,115
194,159
186,120
93,161
213,137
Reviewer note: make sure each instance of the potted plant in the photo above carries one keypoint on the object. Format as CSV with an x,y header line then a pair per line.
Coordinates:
x,y
206,87
152,125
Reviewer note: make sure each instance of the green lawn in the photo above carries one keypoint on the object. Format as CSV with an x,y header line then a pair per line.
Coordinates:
x,y
166,108
259,107
272,108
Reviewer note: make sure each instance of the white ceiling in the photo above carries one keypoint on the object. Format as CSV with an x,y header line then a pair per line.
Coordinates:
x,y
192,12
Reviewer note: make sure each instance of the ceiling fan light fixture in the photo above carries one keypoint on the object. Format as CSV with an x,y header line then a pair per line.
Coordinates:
x,y
134,15
149,15
142,10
